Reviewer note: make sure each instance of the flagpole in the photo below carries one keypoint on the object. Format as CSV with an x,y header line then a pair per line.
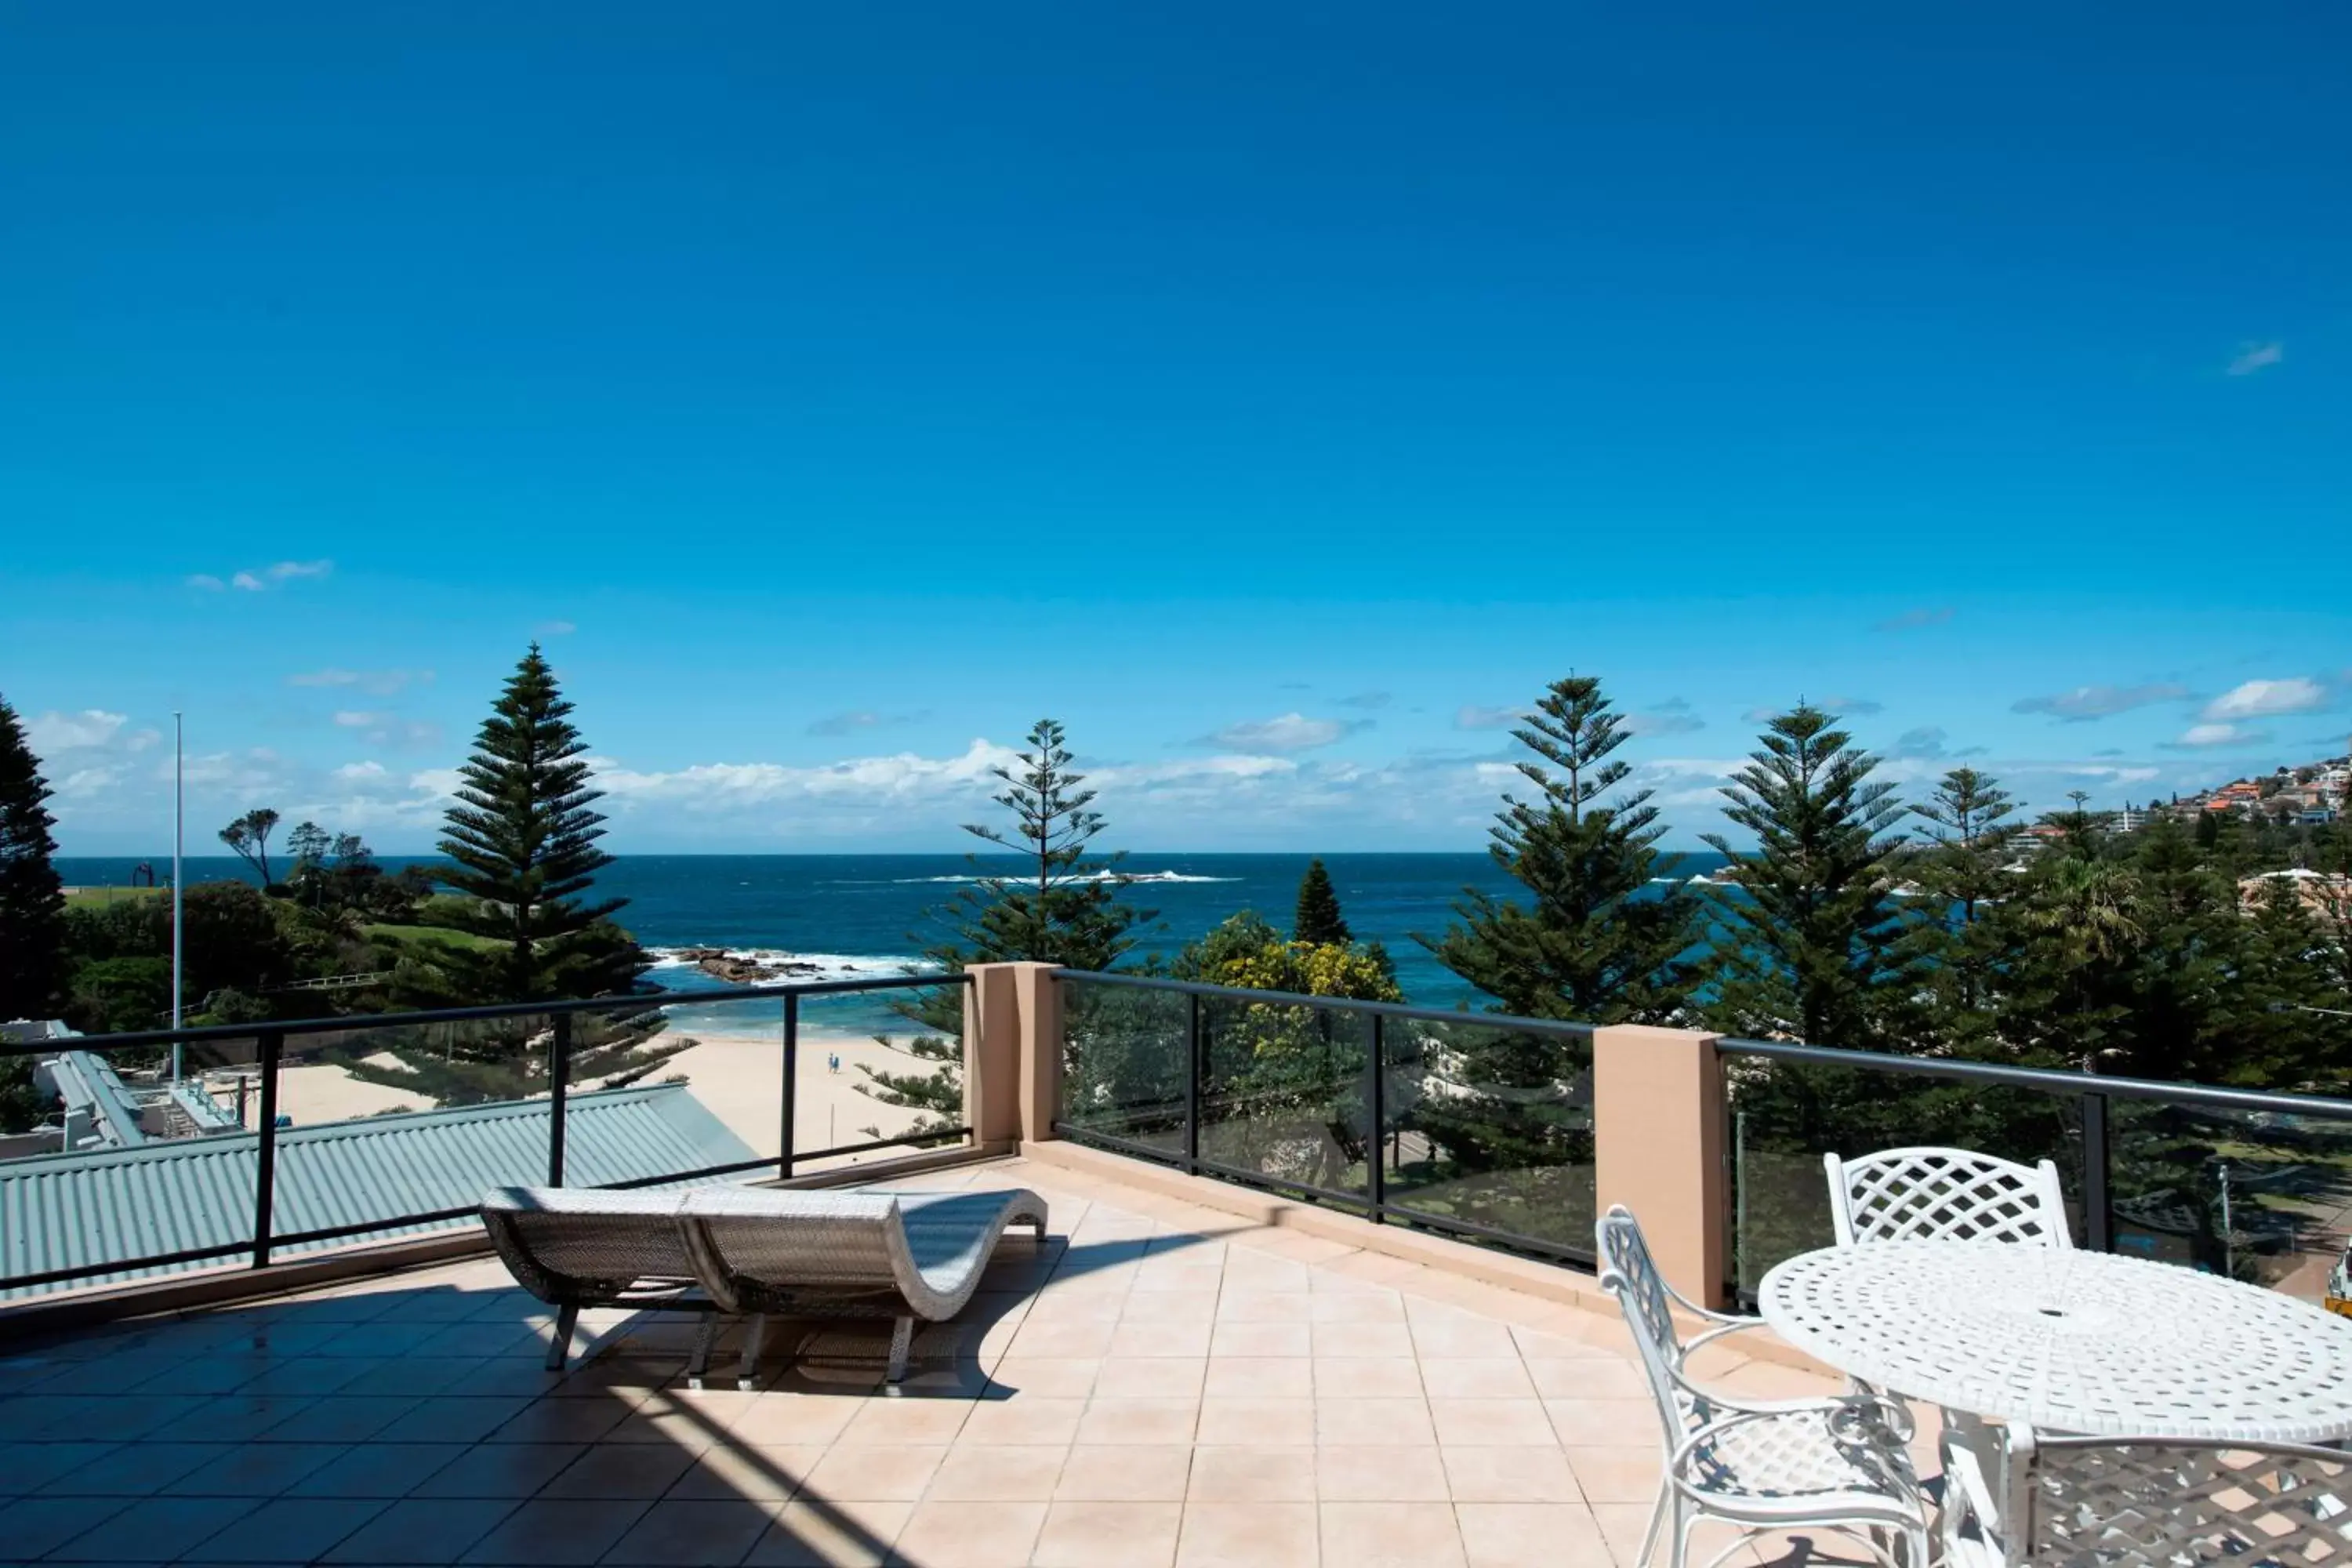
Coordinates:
x,y
179,815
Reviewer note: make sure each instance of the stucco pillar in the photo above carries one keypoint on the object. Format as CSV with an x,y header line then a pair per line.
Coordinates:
x,y
1012,1053
1658,1128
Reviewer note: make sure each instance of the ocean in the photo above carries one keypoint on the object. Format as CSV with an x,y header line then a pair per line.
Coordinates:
x,y
859,914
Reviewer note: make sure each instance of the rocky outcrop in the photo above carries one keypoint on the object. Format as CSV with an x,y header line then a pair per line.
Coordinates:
x,y
738,970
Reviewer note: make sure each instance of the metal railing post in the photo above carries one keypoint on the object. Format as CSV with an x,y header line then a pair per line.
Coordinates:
x,y
559,1083
1192,1046
265,1169
1376,1176
2098,1207
792,1082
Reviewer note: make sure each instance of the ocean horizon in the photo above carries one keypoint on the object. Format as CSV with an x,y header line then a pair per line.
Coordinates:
x,y
848,915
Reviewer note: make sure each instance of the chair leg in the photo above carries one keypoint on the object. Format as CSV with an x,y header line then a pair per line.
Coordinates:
x,y
704,1339
1657,1518
1040,1227
902,1345
746,1375
567,1317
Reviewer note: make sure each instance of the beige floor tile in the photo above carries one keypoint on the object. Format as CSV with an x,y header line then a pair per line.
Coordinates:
x,y
1060,1341
1466,1336
1024,1420
557,1531
1125,1473
1007,1474
1054,1307
1129,1340
830,1534
692,1533
613,1472
1531,1535
1391,1535
1764,1380
1609,1377
1388,1340
1250,1474
1045,1378
1193,1308
1468,1377
874,1473
905,1421
1370,1305
1149,1421
1616,1475
1378,1423
1493,1422
1264,1422
1150,1377
1242,1306
1249,1535
1110,1535
1251,1265
1367,1377
1478,1474
792,1418
1380,1475
768,1474
1577,1379
1260,1340
1260,1376
970,1534
1603,1423
1540,1344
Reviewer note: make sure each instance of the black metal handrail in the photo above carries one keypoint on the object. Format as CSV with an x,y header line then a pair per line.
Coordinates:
x,y
270,1040
2091,1091
1376,1202
1333,1003
2048,1079
640,1000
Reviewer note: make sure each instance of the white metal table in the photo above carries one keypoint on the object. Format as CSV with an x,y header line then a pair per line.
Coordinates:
x,y
2070,1341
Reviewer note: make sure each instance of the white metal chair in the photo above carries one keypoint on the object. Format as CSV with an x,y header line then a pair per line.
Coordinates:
x,y
2146,1502
1832,1464
1945,1194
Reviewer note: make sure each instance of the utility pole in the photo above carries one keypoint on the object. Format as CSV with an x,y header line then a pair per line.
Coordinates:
x,y
179,825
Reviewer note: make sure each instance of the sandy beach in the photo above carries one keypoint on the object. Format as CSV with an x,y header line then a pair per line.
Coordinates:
x,y
736,1077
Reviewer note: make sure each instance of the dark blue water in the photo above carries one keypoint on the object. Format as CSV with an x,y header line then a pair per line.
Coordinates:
x,y
853,914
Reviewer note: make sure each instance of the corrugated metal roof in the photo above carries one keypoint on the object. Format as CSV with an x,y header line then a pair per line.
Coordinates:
x,y
59,1211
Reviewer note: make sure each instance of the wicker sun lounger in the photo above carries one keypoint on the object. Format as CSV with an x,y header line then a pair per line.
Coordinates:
x,y
902,1255
748,1252
581,1247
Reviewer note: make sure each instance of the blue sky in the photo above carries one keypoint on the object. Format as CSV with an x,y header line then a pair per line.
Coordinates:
x,y
1277,399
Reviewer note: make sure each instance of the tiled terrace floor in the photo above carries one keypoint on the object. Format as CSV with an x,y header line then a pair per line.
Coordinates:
x,y
1164,1384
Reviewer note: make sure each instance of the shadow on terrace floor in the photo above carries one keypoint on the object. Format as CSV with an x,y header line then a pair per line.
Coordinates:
x,y
408,1419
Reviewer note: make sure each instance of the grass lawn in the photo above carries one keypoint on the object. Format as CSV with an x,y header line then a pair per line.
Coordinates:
x,y
433,936
98,898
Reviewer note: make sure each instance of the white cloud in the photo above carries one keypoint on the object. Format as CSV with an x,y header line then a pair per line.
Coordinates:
x,y
53,732
555,629
2254,356
355,772
1470,715
1661,723
2088,702
1290,733
357,718
903,777
2263,699
375,682
84,782
2197,737
265,578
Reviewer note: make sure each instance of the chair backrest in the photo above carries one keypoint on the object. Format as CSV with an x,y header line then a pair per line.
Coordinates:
x,y
2122,1500
580,1247
1628,1272
1945,1194
755,1247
